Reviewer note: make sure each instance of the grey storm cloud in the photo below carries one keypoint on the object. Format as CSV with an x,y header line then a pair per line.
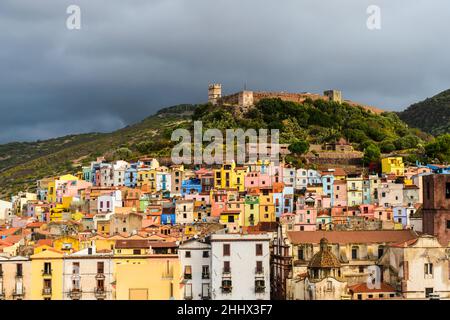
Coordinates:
x,y
133,57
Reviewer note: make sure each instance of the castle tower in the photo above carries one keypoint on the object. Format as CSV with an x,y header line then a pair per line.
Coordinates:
x,y
214,93
333,95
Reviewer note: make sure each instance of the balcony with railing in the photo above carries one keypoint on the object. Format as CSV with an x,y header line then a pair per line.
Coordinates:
x,y
259,271
47,291
100,276
226,271
75,293
205,275
226,286
100,293
187,276
260,286
19,292
46,273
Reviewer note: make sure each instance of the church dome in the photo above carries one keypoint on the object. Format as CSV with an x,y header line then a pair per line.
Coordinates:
x,y
324,258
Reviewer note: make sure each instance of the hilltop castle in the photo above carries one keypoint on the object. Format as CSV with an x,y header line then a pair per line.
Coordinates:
x,y
245,99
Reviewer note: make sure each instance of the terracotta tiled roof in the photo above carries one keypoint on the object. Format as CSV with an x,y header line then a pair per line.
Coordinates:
x,y
130,244
362,288
41,242
10,231
403,244
35,224
345,237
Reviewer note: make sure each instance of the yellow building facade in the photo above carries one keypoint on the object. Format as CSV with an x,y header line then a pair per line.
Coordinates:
x,y
161,281
47,275
393,165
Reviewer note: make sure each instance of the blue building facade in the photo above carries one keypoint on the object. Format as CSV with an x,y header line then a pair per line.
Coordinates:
x,y
130,179
400,215
190,186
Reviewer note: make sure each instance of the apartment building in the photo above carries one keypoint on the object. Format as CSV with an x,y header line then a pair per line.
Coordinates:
x,y
88,275
240,266
195,257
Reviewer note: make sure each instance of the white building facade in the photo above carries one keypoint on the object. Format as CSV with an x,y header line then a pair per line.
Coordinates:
x,y
88,275
195,258
240,267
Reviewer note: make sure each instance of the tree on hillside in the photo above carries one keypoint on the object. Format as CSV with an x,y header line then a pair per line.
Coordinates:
x,y
439,149
371,154
299,147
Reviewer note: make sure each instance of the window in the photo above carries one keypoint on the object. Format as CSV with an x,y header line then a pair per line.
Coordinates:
x,y
361,269
260,286
226,267
428,292
205,272
226,250
259,249
205,254
355,251
100,267
19,270
447,190
428,269
47,283
187,254
329,285
380,251
448,224
301,254
188,291
259,267
136,251
359,296
205,291
100,284
76,268
47,268
188,272
226,286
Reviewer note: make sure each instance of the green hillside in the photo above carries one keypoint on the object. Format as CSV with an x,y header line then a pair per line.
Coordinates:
x,y
431,115
318,122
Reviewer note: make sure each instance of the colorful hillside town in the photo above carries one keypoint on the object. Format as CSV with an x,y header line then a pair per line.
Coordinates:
x,y
146,231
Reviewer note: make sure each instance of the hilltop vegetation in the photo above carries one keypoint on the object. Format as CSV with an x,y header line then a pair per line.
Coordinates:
x,y
319,122
431,115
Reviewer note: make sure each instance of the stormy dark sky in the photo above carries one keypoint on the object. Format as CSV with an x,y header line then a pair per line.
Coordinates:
x,y
133,57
